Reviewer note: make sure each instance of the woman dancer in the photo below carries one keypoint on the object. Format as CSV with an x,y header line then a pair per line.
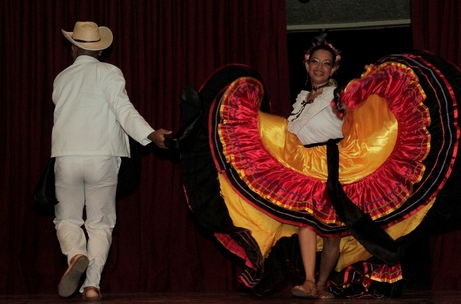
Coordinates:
x,y
314,122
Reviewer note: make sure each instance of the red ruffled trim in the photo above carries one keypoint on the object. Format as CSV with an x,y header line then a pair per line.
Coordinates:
x,y
446,135
371,272
363,276
388,187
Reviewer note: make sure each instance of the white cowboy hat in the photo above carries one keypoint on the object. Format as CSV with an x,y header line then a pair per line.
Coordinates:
x,y
88,36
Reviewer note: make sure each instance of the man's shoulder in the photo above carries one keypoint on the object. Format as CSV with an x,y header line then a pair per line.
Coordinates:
x,y
87,60
108,67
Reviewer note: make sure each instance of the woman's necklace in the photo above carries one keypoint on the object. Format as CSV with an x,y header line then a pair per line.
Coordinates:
x,y
314,93
314,88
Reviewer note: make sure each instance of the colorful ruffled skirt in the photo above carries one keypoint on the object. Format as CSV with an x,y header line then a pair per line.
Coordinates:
x,y
254,184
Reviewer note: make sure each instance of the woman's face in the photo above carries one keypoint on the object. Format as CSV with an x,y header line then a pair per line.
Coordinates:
x,y
320,67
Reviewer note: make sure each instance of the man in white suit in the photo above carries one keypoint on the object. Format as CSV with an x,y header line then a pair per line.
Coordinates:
x,y
92,117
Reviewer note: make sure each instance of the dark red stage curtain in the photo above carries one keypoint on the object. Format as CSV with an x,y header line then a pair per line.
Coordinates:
x,y
161,46
437,28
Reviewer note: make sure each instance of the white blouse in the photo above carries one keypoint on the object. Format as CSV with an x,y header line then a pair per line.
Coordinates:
x,y
316,123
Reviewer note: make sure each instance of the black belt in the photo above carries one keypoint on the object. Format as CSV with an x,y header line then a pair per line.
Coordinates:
x,y
335,140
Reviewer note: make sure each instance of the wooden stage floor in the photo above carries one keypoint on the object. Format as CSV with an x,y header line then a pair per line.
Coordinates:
x,y
233,297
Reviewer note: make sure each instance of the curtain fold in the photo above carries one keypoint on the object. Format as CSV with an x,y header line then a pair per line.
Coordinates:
x,y
436,28
160,46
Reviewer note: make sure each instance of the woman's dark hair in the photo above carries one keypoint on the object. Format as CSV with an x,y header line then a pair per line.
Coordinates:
x,y
325,47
